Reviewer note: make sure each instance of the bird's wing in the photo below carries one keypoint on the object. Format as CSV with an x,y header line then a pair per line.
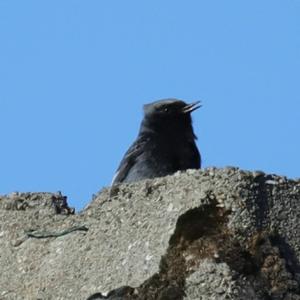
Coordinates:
x,y
129,160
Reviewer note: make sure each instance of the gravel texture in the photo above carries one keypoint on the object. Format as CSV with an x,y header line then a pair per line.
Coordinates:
x,y
205,234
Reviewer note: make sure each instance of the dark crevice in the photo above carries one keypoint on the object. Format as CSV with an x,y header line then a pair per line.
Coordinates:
x,y
198,222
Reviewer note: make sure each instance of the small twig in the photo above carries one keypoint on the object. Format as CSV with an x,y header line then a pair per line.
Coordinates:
x,y
48,234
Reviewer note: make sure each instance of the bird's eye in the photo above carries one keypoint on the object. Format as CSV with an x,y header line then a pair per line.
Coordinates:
x,y
166,109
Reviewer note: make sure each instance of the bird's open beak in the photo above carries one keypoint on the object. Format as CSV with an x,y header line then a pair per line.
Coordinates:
x,y
191,107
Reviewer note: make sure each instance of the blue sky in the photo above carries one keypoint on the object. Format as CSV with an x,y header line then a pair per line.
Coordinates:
x,y
75,74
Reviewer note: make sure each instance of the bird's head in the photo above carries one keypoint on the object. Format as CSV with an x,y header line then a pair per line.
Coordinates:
x,y
169,113
169,108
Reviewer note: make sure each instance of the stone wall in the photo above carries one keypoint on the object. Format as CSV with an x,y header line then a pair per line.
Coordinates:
x,y
207,234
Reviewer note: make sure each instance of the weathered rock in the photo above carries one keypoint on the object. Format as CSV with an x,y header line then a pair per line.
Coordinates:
x,y
208,234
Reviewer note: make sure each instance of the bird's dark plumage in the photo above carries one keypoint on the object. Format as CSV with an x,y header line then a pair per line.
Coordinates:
x,y
165,143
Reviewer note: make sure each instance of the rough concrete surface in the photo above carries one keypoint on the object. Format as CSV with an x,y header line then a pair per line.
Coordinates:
x,y
205,234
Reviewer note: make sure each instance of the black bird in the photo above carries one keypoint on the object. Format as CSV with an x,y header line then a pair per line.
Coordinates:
x,y
165,143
